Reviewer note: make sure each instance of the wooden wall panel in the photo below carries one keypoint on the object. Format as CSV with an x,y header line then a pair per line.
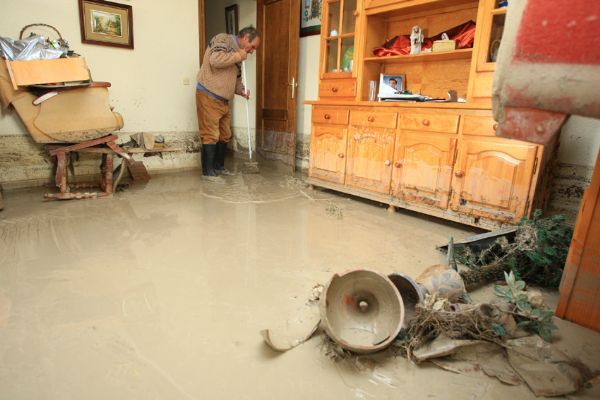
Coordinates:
x,y
580,286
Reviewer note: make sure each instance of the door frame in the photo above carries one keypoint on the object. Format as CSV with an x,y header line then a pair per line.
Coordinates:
x,y
292,77
201,31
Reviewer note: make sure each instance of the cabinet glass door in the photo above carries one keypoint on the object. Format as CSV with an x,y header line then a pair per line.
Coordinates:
x,y
493,28
332,56
338,34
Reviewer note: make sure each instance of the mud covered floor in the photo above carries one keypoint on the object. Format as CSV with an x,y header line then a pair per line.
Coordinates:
x,y
160,292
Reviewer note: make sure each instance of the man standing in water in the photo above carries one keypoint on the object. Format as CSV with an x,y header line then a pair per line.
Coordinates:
x,y
219,79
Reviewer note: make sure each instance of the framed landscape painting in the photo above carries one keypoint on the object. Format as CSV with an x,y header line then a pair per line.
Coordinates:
x,y
105,23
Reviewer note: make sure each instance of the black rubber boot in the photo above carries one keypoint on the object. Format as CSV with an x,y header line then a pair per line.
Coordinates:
x,y
209,152
220,159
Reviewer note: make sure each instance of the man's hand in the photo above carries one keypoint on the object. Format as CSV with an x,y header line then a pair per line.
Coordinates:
x,y
246,94
243,54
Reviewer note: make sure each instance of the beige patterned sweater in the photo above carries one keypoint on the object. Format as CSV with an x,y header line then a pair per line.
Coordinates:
x,y
221,68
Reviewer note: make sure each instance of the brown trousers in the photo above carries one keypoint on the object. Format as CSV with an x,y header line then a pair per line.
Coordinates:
x,y
214,118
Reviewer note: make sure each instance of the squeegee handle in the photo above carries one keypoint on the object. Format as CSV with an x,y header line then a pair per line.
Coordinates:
x,y
245,83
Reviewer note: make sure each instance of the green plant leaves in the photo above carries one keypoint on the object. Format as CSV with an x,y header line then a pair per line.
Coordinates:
x,y
528,317
537,254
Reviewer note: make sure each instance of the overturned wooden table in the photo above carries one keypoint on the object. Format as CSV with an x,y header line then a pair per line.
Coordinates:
x,y
109,178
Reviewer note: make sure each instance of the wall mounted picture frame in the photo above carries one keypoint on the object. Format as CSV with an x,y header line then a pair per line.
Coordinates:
x,y
106,23
231,20
310,17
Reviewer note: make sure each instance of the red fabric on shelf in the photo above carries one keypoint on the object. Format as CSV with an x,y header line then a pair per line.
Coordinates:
x,y
400,45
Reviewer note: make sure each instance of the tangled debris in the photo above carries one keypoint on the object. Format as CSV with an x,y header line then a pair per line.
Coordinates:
x,y
537,254
507,339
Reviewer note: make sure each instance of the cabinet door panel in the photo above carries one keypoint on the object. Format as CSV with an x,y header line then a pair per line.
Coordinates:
x,y
423,167
492,178
370,152
328,153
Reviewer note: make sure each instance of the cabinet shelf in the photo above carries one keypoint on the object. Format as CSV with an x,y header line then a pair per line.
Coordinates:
x,y
344,36
445,55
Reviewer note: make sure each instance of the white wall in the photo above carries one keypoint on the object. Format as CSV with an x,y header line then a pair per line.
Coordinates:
x,y
308,89
580,141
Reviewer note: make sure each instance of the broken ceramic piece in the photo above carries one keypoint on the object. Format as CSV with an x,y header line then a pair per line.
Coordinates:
x,y
296,330
362,311
411,292
442,281
440,347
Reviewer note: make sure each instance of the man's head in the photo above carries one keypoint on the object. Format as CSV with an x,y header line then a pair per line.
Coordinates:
x,y
393,83
249,39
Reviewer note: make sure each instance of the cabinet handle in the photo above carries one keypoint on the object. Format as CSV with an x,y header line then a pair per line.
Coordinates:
x,y
426,122
371,118
459,174
495,127
334,89
327,116
398,164
387,163
341,155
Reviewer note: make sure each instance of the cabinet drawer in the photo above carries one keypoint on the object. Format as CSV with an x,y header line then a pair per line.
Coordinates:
x,y
337,88
330,115
376,119
479,126
429,122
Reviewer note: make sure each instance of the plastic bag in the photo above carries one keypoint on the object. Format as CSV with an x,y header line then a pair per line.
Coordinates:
x,y
34,47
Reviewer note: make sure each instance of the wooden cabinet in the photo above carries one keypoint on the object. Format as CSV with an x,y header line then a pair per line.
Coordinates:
x,y
423,167
370,150
492,178
441,159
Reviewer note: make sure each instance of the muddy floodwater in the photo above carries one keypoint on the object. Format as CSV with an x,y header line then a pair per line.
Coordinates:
x,y
160,293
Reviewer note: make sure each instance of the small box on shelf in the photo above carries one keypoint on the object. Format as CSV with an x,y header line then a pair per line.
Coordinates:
x,y
443,45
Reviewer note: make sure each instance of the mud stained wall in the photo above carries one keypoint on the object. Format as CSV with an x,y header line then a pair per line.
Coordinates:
x,y
152,85
579,144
